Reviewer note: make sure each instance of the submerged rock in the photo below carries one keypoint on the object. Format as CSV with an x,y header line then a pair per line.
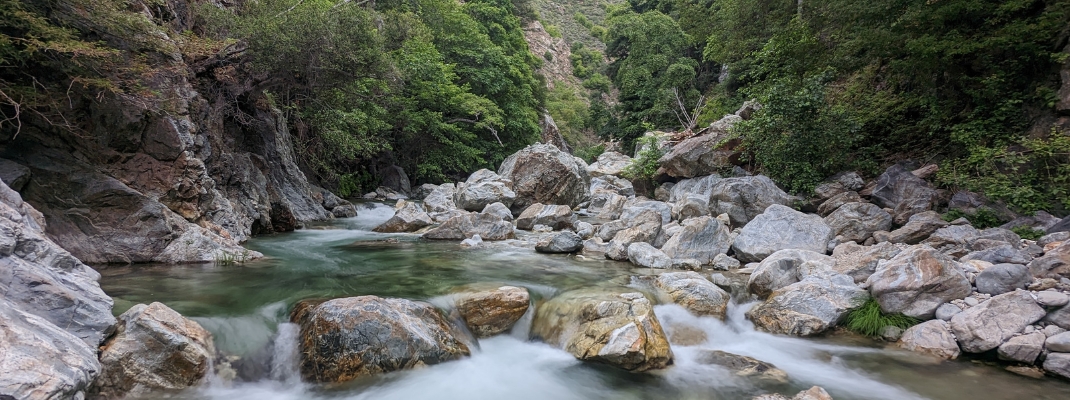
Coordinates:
x,y
932,337
808,307
542,173
992,322
778,228
744,366
814,393
487,226
493,311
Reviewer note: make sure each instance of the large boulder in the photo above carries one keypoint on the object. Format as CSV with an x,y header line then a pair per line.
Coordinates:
x,y
1055,263
786,267
542,173
778,228
154,348
408,217
690,207
632,209
39,360
703,155
701,238
440,199
700,187
808,307
844,182
344,339
987,325
917,281
394,177
931,337
902,191
859,262
918,228
835,202
1059,317
1058,363
1023,349
744,198
556,217
609,163
498,209
618,329
1003,278
483,187
692,291
645,228
487,226
857,221
645,255
607,206
491,311
610,183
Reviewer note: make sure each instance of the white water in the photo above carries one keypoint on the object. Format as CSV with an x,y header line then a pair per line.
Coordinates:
x,y
286,355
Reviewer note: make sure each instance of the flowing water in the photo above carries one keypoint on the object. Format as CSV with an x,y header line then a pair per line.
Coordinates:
x,y
246,309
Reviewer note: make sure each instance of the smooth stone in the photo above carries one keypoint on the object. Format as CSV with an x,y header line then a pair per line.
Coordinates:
x,y
492,311
1049,298
645,255
1058,343
946,311
931,337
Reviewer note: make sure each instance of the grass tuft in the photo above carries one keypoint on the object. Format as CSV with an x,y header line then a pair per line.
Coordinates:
x,y
869,320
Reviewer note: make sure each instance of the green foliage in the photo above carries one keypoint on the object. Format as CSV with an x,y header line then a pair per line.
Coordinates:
x,y
983,218
1027,232
553,31
869,320
646,165
589,154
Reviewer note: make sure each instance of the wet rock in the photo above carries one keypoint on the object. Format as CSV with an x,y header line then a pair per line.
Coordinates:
x,y
41,361
492,311
482,188
488,227
690,207
1053,264
778,228
859,262
700,187
857,221
701,238
837,201
408,217
618,329
344,339
808,307
1003,278
563,242
473,241
612,184
744,366
544,174
703,155
932,337
1058,343
1022,349
783,268
647,256
917,229
917,281
993,322
695,293
556,217
897,188
744,198
1058,364
498,209
946,311
154,348
609,163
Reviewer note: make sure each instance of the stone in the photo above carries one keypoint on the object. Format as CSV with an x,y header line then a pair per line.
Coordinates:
x,y
743,366
701,238
663,192
394,177
690,207
857,221
482,188
39,360
563,242
859,262
744,198
500,210
609,163
646,230
1059,343
946,311
488,227
917,281
633,209
154,348
905,193
556,217
1062,226
1022,349
408,217
385,193
837,201
606,327
808,307
344,339
1058,364
595,245
994,321
779,228
440,200
492,311
724,262
695,293
1055,263
838,184
647,256
782,268
421,192
473,241
13,174
1050,298
1053,238
612,184
1000,254
917,229
705,154
700,187
1052,330
1003,278
891,333
585,230
932,337
542,173
607,206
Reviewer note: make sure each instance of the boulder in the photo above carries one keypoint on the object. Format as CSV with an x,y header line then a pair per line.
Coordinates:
x,y
483,187
724,262
492,311
647,256
703,155
835,202
609,163
902,191
859,262
991,323
946,311
932,337
917,229
1059,343
344,339
808,307
394,177
154,348
440,200
498,209
556,217
1051,298
487,226
744,198
840,183
857,221
695,293
633,209
778,228
743,366
646,229
917,281
563,242
39,360
408,217
1062,226
1058,364
701,238
13,174
786,267
385,193
542,173
690,207
1003,278
1000,253
1059,317
1055,263
610,183
701,187
607,206
421,192
663,192
814,393
1022,349
618,329
585,230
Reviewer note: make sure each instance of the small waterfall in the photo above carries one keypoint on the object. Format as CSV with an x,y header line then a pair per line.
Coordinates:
x,y
286,356
522,328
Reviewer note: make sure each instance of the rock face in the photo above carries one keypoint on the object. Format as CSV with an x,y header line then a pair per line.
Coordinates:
x,y
917,281
857,221
408,217
343,339
932,337
897,188
564,242
743,198
487,226
494,311
618,329
41,361
694,292
808,307
701,238
703,155
994,321
609,163
483,187
778,228
542,173
556,217
154,348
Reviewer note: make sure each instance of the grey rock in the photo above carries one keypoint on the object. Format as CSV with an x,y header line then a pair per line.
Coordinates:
x,y
643,232
835,202
647,256
542,173
857,221
1050,298
489,227
595,245
1052,330
609,163
892,333
917,229
917,281
556,217
41,361
1059,343
897,188
702,238
1003,278
687,264
859,262
633,209
663,191
1052,238
1002,254
1062,226
13,174
778,228
724,262
808,307
703,155
946,311
474,241
783,268
662,140
931,337
607,206
500,210
482,188
1058,364
701,187
690,207
1055,263
386,193
840,183
695,293
1022,349
421,192
744,366
563,242
395,178
994,321
585,230
610,183
952,236
408,217
744,198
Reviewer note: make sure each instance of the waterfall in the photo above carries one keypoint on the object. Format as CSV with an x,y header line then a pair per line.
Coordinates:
x,y
285,357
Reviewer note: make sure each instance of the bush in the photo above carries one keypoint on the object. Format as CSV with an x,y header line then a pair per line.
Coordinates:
x,y
646,165
553,31
1027,232
869,320
981,219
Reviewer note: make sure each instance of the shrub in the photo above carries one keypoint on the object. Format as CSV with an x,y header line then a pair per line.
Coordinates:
x,y
646,165
1027,232
981,219
869,320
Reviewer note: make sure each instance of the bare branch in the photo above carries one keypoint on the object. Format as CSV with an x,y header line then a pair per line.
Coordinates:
x,y
13,120
476,122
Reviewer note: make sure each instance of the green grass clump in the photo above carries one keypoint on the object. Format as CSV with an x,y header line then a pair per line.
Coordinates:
x,y
1027,232
869,320
981,219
